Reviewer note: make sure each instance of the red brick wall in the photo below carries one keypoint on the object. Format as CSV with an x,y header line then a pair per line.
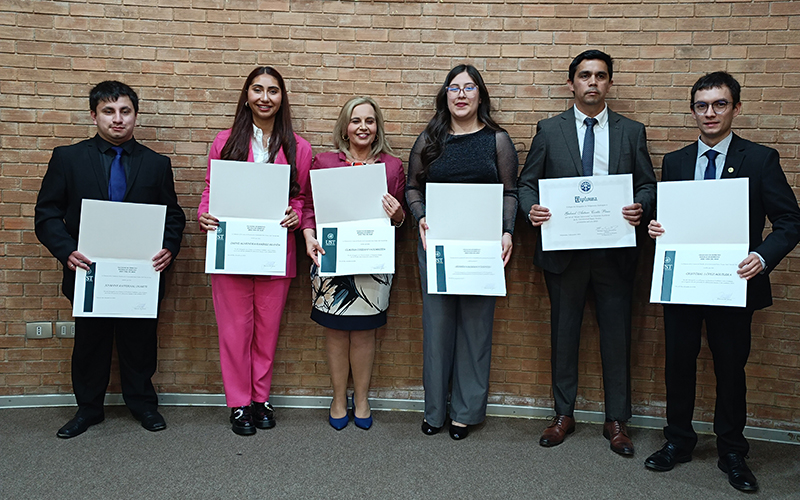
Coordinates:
x,y
189,63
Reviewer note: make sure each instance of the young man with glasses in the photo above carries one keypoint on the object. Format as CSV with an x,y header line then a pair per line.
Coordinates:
x,y
589,140
721,154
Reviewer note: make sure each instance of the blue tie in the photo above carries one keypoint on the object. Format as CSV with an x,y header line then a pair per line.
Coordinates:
x,y
116,180
711,169
587,159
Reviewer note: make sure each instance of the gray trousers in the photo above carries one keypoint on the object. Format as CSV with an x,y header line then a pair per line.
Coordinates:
x,y
613,293
457,348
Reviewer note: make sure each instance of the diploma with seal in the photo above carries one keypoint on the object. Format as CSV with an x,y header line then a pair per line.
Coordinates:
x,y
586,212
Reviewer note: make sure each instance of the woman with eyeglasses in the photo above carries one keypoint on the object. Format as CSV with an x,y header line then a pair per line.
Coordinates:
x,y
351,308
249,308
461,144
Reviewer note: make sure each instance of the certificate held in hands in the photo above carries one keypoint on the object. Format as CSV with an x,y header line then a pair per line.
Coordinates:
x,y
250,201
354,231
586,212
699,253
464,242
121,240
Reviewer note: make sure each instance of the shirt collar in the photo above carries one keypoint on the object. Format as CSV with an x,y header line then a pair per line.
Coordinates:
x,y
721,147
602,118
103,145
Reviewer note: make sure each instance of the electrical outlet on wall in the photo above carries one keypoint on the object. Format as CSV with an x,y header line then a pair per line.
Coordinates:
x,y
39,330
65,329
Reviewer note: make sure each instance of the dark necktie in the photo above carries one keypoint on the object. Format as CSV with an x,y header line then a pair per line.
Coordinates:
x,y
711,169
116,180
587,159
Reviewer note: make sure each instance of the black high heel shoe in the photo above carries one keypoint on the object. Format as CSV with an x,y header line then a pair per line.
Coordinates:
x,y
429,430
458,433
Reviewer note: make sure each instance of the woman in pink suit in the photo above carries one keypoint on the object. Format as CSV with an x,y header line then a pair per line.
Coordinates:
x,y
249,308
352,307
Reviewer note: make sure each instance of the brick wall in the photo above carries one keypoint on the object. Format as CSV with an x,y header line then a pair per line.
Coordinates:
x,y
188,63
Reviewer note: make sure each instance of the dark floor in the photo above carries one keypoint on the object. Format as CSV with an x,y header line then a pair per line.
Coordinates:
x,y
197,456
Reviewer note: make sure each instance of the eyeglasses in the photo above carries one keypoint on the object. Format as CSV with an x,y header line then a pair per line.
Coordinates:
x,y
719,107
468,89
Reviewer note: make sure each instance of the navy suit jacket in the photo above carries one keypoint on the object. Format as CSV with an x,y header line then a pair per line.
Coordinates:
x,y
770,197
76,173
555,153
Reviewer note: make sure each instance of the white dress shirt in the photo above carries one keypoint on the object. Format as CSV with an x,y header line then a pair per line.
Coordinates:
x,y
260,152
600,166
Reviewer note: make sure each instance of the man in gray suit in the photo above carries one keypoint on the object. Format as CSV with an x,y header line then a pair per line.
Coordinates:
x,y
589,140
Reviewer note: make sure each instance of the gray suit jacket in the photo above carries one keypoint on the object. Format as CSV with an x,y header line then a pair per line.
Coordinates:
x,y
554,154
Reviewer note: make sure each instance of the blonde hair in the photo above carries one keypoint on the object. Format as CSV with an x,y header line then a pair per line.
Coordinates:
x,y
340,140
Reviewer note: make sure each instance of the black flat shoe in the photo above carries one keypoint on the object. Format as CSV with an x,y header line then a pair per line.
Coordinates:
x,y
77,426
666,458
739,474
263,415
242,421
458,433
153,421
429,430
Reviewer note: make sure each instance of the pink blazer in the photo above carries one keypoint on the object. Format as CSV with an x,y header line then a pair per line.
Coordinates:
x,y
303,166
395,180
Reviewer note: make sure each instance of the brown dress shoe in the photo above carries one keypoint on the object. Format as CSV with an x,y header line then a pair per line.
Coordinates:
x,y
617,433
557,431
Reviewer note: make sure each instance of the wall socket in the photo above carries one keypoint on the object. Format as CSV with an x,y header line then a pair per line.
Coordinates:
x,y
39,330
65,329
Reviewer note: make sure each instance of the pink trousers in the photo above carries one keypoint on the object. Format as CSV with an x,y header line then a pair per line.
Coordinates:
x,y
248,310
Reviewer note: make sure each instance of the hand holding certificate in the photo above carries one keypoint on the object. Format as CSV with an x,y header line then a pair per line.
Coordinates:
x,y
249,200
121,281
355,232
698,252
464,239
586,212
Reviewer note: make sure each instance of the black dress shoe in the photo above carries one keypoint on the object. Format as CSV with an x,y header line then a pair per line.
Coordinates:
x,y
153,421
263,415
458,433
77,426
666,458
429,430
242,421
739,474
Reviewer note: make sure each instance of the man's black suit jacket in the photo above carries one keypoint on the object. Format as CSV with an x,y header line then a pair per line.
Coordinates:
x,y
555,153
76,173
770,197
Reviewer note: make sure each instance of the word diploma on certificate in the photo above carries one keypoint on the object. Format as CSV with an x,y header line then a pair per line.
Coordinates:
x,y
121,240
586,212
464,242
250,201
354,231
705,239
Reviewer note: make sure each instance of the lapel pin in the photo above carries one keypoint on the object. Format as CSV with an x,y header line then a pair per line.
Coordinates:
x,y
730,170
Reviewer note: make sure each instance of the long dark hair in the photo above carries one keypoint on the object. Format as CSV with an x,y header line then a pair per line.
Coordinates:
x,y
437,130
238,145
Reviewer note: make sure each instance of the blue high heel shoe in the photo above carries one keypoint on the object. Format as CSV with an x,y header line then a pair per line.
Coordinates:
x,y
361,423
339,423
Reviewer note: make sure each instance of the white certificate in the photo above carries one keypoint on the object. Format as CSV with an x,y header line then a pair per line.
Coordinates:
x,y
586,212
705,238
464,239
250,201
352,227
121,240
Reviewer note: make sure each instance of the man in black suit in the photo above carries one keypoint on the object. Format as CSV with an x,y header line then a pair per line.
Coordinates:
x,y
109,166
589,140
719,153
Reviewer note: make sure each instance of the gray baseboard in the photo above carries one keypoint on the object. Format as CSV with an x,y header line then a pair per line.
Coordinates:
x,y
172,399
